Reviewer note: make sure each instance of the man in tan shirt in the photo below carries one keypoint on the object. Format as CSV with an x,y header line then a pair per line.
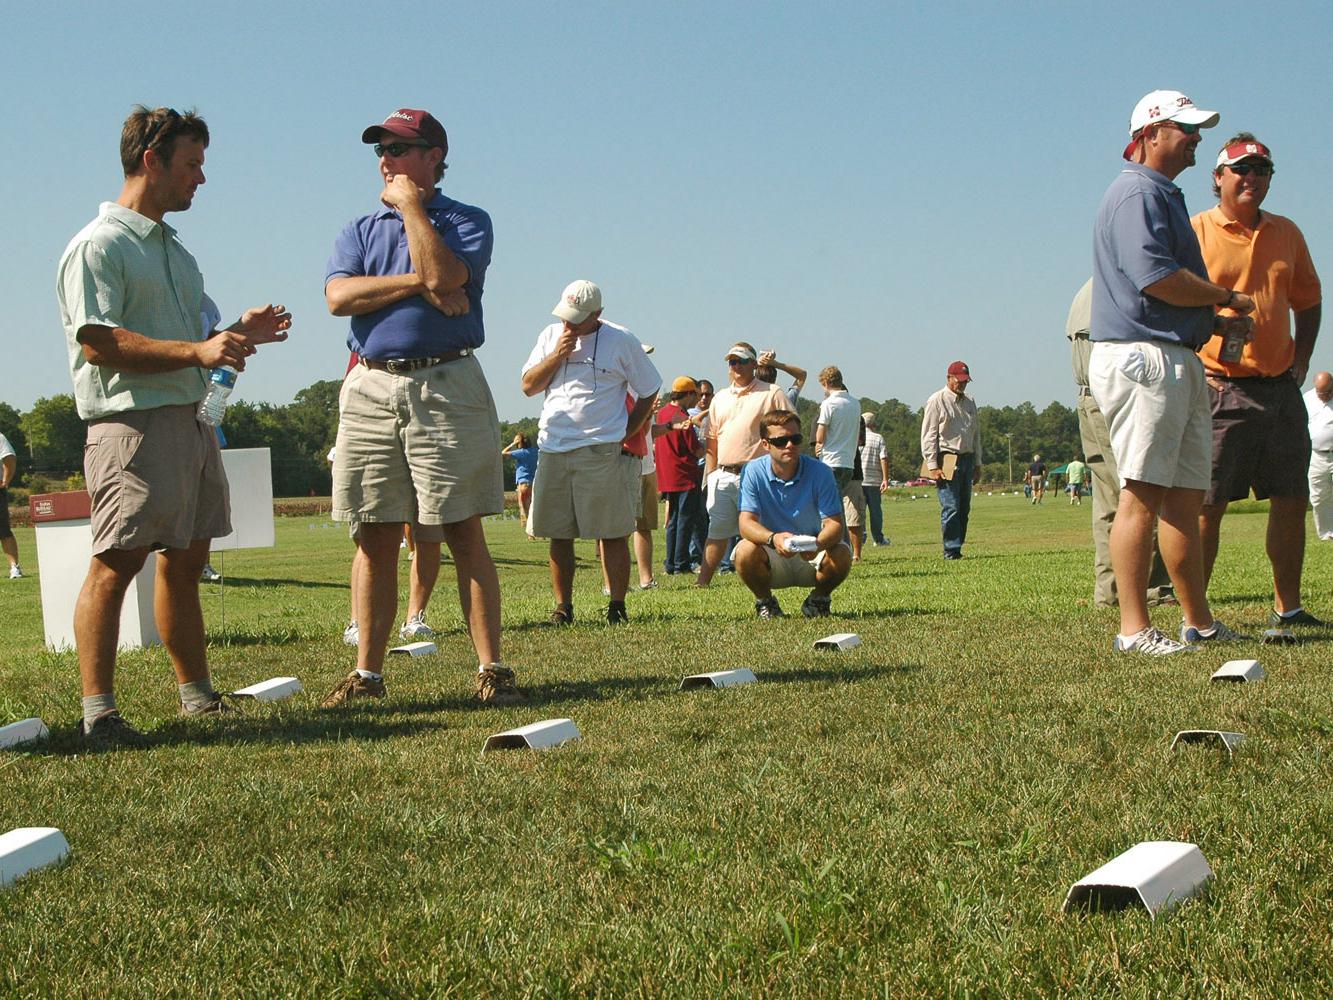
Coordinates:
x,y
733,440
949,427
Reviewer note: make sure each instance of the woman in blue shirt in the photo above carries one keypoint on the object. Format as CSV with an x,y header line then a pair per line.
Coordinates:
x,y
524,455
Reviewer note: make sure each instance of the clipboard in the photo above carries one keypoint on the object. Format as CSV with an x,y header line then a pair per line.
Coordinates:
x,y
948,463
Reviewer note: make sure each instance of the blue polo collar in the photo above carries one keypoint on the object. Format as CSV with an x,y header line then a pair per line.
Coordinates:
x,y
438,202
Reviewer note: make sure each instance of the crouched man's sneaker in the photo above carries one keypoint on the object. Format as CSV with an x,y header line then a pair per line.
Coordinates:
x,y
768,609
1151,642
816,606
1217,633
354,686
110,732
495,686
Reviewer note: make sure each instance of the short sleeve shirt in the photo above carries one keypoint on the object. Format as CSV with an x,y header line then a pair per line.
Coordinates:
x,y
375,245
6,449
840,416
871,453
798,505
1143,234
678,471
733,419
525,464
125,270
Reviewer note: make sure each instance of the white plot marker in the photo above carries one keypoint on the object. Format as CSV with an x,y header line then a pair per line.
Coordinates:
x,y
29,848
537,736
719,679
274,689
1227,740
839,641
1155,874
25,731
415,649
1239,671
1279,637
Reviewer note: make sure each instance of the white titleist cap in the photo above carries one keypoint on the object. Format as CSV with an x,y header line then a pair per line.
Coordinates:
x,y
578,301
1166,105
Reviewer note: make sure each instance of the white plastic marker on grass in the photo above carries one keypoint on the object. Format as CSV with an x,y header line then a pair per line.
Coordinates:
x,y
1239,671
274,689
25,731
1155,874
1279,637
1229,741
29,848
719,679
839,641
537,736
415,649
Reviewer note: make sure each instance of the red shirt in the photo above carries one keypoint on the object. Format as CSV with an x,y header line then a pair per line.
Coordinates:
x,y
678,471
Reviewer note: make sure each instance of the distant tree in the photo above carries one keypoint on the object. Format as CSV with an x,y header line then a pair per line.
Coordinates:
x,y
55,434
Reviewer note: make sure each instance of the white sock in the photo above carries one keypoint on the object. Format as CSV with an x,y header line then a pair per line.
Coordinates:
x,y
1292,613
367,675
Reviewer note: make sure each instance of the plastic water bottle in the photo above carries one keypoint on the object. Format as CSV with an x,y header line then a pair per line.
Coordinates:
x,y
221,381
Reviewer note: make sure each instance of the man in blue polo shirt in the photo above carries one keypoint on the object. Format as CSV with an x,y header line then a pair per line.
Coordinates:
x,y
418,437
1152,308
785,495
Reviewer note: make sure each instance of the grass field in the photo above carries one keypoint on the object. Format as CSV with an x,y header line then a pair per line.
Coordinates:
x,y
902,819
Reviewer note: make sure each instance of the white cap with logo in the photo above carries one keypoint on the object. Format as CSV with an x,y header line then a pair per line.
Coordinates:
x,y
578,301
1163,106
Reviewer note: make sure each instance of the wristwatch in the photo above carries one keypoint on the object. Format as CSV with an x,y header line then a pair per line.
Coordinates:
x,y
772,535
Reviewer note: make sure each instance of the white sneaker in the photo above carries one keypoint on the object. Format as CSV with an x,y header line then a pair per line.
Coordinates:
x,y
416,628
351,635
210,575
1151,642
15,573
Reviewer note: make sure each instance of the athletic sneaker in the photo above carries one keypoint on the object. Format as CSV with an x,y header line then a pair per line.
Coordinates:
x,y
351,635
1301,617
768,609
1218,633
495,686
209,575
354,686
1151,642
110,732
217,706
650,585
416,628
816,606
15,573
562,615
615,613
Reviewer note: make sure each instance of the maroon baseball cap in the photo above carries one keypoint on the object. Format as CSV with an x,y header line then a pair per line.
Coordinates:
x,y
409,123
959,371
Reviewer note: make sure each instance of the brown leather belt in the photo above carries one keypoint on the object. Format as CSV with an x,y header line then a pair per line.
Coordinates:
x,y
735,470
401,366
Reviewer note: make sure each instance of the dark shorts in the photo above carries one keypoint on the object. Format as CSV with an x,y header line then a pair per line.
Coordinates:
x,y
1261,439
5,530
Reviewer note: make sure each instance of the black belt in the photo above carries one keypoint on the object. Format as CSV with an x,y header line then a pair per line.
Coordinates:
x,y
400,366
735,470
1249,378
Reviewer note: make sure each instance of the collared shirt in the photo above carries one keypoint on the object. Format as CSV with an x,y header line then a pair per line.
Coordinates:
x,y
799,504
585,400
1321,421
678,470
949,423
872,472
1143,235
125,270
841,417
733,420
376,245
1272,265
1077,325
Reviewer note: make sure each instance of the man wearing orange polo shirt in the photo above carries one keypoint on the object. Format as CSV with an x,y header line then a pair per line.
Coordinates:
x,y
1261,440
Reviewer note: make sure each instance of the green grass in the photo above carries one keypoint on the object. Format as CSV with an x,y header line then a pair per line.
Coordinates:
x,y
902,819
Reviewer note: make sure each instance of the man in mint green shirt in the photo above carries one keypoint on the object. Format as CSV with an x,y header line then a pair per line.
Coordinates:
x,y
130,297
1075,472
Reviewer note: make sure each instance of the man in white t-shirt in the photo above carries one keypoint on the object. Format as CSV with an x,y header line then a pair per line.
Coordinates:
x,y
586,366
837,429
8,466
874,478
1319,405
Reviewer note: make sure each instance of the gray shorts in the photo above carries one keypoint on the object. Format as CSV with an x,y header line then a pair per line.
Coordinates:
x,y
589,492
1261,439
156,480
423,447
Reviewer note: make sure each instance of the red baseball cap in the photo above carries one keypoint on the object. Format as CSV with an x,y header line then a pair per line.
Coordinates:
x,y
409,123
959,371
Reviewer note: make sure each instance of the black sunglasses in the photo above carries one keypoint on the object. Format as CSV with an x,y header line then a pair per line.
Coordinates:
x,y
739,362
396,149
1258,169
1185,127
782,440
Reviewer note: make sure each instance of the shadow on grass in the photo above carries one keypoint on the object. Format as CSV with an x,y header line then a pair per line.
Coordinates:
x,y
222,640
848,674
245,581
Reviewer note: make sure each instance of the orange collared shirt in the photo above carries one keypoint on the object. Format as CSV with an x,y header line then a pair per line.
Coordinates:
x,y
1272,265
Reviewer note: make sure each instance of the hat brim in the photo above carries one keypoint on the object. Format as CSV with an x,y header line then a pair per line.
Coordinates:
x,y
1195,116
373,132
569,313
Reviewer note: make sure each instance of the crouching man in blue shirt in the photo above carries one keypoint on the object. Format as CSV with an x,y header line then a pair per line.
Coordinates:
x,y
783,495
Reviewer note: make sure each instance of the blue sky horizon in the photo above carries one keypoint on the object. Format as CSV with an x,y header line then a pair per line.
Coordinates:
x,y
883,188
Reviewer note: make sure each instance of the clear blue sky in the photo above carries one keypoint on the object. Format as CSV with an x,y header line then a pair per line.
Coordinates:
x,y
885,189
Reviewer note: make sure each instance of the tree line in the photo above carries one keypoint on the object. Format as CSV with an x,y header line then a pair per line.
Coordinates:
x,y
49,438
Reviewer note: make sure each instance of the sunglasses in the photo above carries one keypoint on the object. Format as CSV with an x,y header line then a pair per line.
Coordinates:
x,y
397,149
739,362
1185,127
1258,169
782,440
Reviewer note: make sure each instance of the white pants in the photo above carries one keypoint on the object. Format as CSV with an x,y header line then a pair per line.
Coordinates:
x,y
1321,493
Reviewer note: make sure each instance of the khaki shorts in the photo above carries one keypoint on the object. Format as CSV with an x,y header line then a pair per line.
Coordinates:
x,y
722,492
853,504
585,493
423,447
646,515
792,571
1155,401
156,480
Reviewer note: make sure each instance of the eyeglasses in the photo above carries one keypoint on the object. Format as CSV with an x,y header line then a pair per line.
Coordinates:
x,y
1258,169
1185,127
397,149
782,440
739,362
